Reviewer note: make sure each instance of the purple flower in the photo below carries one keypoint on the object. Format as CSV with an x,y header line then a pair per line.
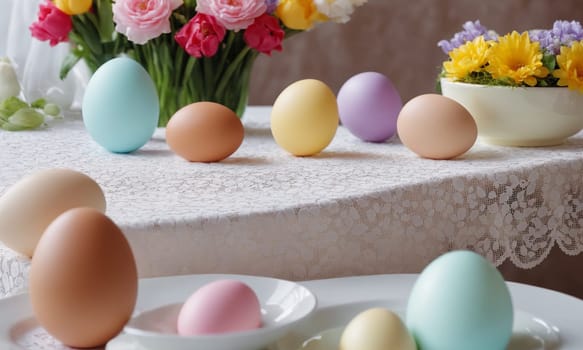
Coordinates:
x,y
271,5
564,33
471,31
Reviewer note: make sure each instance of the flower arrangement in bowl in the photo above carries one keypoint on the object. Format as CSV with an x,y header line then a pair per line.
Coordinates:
x,y
194,50
523,89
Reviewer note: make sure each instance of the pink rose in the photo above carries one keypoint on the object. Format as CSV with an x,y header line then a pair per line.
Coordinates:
x,y
265,34
201,36
233,14
53,24
142,20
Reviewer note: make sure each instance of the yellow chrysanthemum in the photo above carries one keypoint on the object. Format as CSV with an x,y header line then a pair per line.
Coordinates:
x,y
570,72
468,58
515,57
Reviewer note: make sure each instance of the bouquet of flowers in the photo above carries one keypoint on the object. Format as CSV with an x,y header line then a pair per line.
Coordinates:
x,y
193,50
543,58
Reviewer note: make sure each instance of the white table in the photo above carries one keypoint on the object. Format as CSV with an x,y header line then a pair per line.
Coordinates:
x,y
357,208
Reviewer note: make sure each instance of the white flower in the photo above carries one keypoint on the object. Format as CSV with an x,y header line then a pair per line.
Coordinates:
x,y
9,85
337,10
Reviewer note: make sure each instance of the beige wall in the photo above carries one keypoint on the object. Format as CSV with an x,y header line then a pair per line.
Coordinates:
x,y
397,38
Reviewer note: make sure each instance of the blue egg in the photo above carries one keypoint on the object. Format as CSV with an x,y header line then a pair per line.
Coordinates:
x,y
121,106
460,302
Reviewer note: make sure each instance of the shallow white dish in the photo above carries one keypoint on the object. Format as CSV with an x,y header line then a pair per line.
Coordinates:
x,y
283,304
325,327
550,314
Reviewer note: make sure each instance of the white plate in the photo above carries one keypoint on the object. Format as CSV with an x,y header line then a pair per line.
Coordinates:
x,y
283,304
323,330
551,313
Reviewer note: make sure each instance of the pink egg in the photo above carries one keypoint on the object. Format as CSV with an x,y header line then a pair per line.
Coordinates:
x,y
220,307
368,105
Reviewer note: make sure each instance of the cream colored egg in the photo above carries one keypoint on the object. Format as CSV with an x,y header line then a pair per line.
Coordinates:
x,y
436,127
305,117
30,205
376,329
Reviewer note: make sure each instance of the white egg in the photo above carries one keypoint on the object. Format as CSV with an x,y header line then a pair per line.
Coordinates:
x,y
30,205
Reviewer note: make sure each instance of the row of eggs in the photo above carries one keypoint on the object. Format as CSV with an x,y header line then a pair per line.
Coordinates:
x,y
459,301
120,112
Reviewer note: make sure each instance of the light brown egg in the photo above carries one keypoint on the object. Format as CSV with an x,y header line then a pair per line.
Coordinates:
x,y
204,132
30,205
83,279
436,127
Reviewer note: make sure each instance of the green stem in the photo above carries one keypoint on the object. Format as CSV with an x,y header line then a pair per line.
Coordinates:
x,y
230,70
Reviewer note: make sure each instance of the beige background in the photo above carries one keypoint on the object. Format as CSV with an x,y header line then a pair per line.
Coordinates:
x,y
397,38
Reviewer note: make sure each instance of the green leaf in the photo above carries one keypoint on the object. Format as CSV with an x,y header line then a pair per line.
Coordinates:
x,y
105,14
180,18
12,104
88,32
550,61
4,116
52,109
11,127
40,103
68,63
27,118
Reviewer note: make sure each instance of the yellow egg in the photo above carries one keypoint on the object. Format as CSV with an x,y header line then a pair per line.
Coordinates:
x,y
304,118
376,329
30,205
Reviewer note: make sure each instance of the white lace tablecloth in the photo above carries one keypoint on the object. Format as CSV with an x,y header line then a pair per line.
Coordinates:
x,y
357,208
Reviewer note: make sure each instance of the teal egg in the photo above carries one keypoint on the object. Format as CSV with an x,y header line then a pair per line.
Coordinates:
x,y
460,302
121,106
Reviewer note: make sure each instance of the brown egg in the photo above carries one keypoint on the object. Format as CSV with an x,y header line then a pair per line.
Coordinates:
x,y
436,127
204,132
83,279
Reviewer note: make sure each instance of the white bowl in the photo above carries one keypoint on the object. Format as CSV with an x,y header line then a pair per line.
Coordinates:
x,y
520,116
283,304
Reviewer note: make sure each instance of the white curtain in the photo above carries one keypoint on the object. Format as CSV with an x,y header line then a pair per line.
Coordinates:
x,y
37,63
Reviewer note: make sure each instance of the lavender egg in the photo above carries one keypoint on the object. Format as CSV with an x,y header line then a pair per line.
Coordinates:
x,y
368,105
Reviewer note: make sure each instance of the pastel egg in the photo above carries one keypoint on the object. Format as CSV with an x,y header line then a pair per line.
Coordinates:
x,y
220,307
120,106
436,127
304,117
204,132
83,279
369,104
30,205
460,302
376,329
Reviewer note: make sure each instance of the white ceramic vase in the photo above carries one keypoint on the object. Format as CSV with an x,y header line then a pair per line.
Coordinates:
x,y
520,116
